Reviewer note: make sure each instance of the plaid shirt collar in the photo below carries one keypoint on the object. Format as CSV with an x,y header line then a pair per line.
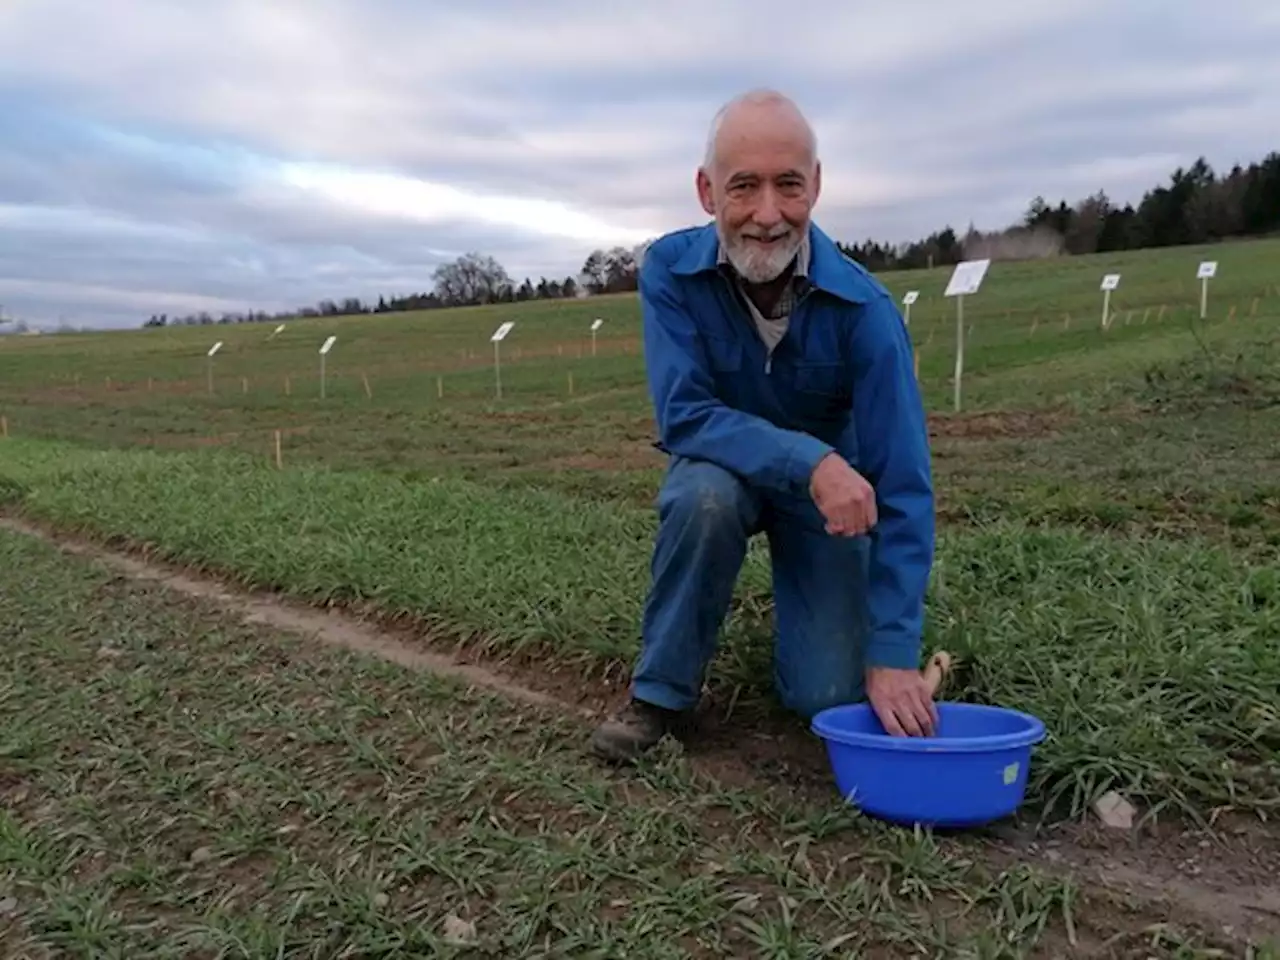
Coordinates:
x,y
790,293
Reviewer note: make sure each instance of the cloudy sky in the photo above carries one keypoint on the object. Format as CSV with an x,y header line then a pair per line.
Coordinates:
x,y
179,155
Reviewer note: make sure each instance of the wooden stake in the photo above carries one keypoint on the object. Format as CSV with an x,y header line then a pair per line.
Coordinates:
x,y
244,384
1160,315
917,365
279,457
148,384
439,386
4,428
286,386
1231,314
570,383
1253,311
368,390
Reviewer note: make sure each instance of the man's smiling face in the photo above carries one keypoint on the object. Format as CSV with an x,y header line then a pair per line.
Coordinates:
x,y
761,181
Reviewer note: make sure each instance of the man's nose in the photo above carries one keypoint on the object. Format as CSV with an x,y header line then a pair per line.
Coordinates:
x,y
768,212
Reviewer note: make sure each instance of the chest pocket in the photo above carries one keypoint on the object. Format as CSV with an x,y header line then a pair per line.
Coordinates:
x,y
819,378
820,391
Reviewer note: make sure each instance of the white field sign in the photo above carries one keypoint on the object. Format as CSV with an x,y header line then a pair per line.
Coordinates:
x,y
498,336
1109,282
1206,272
911,297
965,281
276,332
595,327
212,350
324,352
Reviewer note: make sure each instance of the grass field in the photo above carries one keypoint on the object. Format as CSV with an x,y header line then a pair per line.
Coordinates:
x,y
178,783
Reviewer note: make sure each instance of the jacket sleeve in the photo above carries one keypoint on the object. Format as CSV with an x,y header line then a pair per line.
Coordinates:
x,y
692,421
893,448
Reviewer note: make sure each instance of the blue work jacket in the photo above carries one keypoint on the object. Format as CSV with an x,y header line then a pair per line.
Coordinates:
x,y
842,379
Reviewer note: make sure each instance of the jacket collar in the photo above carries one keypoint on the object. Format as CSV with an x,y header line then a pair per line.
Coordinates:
x,y
828,269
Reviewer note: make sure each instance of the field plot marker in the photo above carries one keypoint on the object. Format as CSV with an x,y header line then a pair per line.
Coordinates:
x,y
911,297
212,350
276,332
596,324
1109,283
965,281
324,352
498,336
1207,271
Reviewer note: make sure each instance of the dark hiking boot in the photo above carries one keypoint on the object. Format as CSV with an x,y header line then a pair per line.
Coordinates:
x,y
637,727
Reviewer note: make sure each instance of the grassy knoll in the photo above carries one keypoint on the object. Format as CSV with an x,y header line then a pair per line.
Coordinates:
x,y
242,794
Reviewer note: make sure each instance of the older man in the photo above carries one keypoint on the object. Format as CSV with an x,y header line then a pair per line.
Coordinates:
x,y
782,382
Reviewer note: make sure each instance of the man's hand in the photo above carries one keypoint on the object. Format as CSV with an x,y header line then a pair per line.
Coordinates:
x,y
902,700
846,500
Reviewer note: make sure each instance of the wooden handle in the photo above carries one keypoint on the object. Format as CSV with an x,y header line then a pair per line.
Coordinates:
x,y
936,671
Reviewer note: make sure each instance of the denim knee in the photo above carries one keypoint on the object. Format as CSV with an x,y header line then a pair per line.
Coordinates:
x,y
706,500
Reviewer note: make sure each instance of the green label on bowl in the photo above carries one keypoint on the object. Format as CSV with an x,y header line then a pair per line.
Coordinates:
x,y
1010,774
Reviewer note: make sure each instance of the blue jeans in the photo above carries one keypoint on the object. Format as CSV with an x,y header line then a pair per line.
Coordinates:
x,y
706,517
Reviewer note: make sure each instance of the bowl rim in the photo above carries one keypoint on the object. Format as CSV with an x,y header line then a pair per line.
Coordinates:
x,y
1032,733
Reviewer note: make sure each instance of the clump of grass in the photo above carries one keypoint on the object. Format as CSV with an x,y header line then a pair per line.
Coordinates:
x,y
1244,374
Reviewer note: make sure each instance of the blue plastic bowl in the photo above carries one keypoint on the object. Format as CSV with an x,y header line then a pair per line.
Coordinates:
x,y
972,771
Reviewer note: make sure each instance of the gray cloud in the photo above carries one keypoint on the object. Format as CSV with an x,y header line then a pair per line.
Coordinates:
x,y
145,147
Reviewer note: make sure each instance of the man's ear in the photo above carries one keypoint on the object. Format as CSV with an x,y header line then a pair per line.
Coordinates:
x,y
703,183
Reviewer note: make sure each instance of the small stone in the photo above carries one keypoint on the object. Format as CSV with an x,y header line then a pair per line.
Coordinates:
x,y
380,900
106,652
201,855
7,906
459,932
1053,856
1114,811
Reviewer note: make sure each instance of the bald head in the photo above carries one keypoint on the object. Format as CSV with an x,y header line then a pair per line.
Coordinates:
x,y
760,179
757,114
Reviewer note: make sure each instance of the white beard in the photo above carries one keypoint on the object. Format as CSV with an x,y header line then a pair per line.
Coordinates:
x,y
760,265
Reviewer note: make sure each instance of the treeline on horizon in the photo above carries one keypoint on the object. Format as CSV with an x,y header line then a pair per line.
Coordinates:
x,y
1196,205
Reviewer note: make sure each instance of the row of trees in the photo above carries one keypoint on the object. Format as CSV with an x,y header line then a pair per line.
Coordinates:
x,y
1195,206
471,279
